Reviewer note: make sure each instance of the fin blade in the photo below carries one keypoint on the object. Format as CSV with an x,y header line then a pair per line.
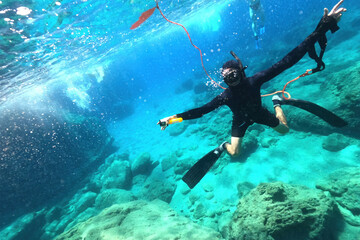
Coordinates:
x,y
317,110
200,168
144,16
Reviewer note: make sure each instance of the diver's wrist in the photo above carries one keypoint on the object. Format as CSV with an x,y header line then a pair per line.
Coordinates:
x,y
327,23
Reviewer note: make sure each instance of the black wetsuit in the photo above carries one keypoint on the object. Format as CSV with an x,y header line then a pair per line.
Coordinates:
x,y
244,100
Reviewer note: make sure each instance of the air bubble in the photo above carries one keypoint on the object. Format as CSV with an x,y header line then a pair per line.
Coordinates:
x,y
23,11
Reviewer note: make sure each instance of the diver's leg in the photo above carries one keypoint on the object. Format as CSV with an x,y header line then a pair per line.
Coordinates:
x,y
233,148
282,127
261,22
253,22
254,27
280,115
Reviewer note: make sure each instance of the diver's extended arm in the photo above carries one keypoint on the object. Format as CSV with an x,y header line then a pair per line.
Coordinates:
x,y
199,112
327,22
194,113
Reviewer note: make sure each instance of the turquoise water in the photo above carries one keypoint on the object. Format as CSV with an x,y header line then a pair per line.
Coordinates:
x,y
81,93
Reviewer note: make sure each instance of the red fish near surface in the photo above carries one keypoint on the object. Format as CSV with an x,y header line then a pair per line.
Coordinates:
x,y
145,15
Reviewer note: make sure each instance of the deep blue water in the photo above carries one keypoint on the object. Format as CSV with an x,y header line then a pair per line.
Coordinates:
x,y
73,74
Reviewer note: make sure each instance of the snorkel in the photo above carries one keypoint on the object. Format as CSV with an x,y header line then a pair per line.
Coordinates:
x,y
242,68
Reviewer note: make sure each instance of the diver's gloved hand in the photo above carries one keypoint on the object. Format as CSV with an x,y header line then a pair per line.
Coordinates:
x,y
329,20
165,122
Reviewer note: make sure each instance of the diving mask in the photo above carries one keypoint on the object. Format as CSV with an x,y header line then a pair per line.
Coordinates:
x,y
231,76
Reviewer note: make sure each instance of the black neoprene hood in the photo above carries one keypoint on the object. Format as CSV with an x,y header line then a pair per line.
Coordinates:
x,y
231,64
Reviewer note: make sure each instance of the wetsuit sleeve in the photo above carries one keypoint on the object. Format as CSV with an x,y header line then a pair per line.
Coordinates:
x,y
199,112
325,24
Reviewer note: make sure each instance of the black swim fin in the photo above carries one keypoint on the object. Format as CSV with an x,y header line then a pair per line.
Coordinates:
x,y
317,110
201,167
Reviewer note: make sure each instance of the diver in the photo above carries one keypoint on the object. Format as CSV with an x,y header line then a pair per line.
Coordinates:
x,y
243,95
257,15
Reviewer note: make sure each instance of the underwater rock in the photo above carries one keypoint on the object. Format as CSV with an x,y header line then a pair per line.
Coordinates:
x,y
224,222
29,226
135,220
193,198
56,227
157,189
250,143
83,202
207,187
344,186
117,175
184,189
268,142
210,196
178,129
335,142
346,95
168,162
281,211
138,180
182,166
118,156
114,173
53,214
200,211
143,165
109,197
73,220
61,218
244,188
